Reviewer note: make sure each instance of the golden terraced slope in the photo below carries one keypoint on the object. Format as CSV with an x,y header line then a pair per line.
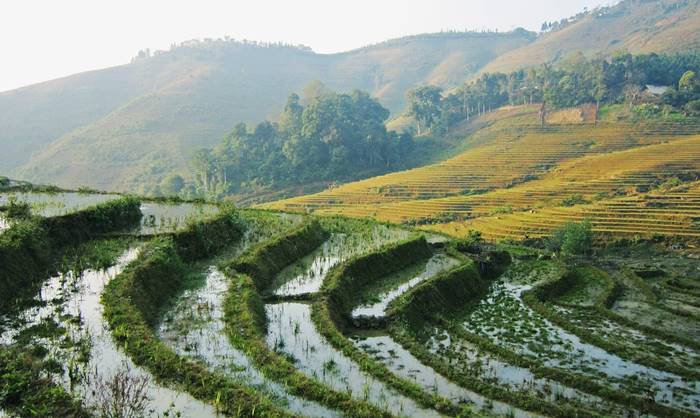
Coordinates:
x,y
517,178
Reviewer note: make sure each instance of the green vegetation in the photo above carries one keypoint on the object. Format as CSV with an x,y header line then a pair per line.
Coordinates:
x,y
439,295
502,331
245,316
133,302
332,137
575,81
29,248
110,118
563,291
202,238
341,291
585,165
267,259
25,390
573,239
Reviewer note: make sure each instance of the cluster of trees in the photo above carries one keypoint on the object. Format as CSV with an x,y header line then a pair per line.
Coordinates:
x,y
556,25
576,80
326,136
573,238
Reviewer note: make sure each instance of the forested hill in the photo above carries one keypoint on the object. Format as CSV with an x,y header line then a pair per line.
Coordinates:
x,y
636,26
127,128
121,127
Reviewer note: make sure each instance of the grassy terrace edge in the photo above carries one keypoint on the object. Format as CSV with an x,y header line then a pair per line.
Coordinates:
x,y
244,314
28,251
331,310
133,302
29,247
404,304
448,292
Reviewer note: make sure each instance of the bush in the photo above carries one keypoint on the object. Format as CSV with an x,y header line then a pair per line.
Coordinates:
x,y
693,108
263,262
17,210
471,243
573,238
25,390
572,200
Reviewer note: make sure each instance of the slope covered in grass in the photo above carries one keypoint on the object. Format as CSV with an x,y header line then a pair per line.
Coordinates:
x,y
126,127
517,178
637,26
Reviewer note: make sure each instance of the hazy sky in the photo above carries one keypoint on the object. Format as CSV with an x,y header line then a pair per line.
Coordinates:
x,y
45,39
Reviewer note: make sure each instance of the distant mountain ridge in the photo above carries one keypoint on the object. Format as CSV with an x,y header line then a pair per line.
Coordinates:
x,y
637,26
122,127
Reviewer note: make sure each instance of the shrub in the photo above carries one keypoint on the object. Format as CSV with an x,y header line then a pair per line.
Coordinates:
x,y
572,200
470,243
25,390
269,258
18,210
693,108
573,238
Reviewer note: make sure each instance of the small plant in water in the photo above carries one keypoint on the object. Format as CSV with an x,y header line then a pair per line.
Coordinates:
x,y
330,366
121,395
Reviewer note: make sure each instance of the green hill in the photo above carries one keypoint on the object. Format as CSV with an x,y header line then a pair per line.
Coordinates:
x,y
125,127
638,26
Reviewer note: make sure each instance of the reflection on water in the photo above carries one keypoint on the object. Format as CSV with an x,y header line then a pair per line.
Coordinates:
x,y
291,331
195,327
54,204
169,217
74,301
404,364
436,264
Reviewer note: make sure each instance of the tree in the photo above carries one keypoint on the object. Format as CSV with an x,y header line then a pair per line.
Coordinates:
x,y
689,82
172,185
424,106
692,108
573,238
290,119
313,91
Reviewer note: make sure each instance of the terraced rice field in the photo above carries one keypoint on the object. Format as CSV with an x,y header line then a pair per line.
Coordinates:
x,y
262,313
55,204
519,179
169,217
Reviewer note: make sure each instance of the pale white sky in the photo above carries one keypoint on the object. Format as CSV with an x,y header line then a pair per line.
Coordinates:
x,y
46,39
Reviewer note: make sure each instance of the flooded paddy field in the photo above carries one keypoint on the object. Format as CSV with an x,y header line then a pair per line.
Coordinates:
x,y
194,325
67,323
161,218
305,276
292,333
377,298
55,204
499,354
533,336
402,363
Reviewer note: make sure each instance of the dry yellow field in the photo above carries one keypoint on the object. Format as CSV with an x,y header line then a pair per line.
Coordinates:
x,y
519,179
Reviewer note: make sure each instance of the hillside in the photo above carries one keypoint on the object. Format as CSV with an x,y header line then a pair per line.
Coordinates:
x,y
519,179
637,26
141,120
